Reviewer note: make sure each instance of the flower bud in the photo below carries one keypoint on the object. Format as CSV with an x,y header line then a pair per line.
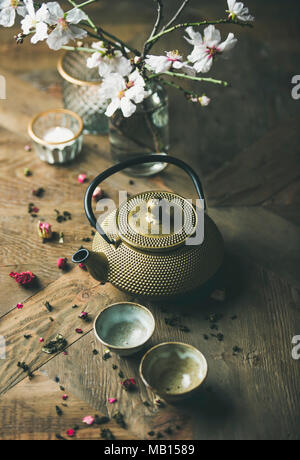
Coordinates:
x,y
44,230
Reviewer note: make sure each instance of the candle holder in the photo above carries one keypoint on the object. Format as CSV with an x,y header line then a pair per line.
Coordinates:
x,y
57,135
80,91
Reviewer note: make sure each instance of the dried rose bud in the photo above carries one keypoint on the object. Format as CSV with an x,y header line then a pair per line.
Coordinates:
x,y
71,433
112,400
81,178
24,278
83,267
128,384
19,306
79,331
45,230
98,194
64,397
83,315
42,340
62,263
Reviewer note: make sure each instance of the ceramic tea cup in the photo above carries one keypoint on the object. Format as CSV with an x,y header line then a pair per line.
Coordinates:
x,y
124,327
173,370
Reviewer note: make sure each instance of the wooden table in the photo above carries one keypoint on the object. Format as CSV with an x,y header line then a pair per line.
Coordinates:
x,y
251,176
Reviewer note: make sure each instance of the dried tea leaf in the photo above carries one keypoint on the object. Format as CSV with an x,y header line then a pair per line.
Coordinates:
x,y
56,345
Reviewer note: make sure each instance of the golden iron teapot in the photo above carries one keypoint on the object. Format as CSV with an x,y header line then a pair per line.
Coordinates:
x,y
148,246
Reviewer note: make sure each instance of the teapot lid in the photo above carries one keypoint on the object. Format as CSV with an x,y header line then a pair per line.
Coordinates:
x,y
156,221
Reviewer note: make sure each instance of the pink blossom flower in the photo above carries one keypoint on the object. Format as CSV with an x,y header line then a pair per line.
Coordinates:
x,y
41,340
19,306
64,397
89,420
81,178
112,400
71,433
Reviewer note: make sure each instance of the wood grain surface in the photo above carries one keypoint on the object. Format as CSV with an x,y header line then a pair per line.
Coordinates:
x,y
29,413
245,147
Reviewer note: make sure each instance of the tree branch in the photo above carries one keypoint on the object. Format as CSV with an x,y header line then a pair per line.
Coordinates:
x,y
190,77
159,18
201,23
174,18
81,5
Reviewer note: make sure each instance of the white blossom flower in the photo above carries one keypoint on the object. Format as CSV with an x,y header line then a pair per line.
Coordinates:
x,y
123,93
8,10
206,49
35,21
108,61
65,29
237,10
202,100
172,60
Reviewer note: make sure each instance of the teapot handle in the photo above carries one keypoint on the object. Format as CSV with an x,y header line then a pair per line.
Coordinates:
x,y
127,164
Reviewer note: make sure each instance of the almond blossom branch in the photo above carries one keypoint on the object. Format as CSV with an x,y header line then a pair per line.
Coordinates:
x,y
190,77
178,13
190,95
118,43
196,24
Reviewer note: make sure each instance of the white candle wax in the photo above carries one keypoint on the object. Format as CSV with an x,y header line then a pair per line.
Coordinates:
x,y
59,134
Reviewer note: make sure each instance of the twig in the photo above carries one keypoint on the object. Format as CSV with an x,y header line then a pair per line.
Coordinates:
x,y
158,21
190,77
117,40
78,48
81,5
180,88
159,18
201,23
174,18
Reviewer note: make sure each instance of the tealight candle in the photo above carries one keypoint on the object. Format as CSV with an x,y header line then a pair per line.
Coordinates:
x,y
59,137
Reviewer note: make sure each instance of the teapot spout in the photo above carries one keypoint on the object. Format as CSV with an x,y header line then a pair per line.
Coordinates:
x,y
96,263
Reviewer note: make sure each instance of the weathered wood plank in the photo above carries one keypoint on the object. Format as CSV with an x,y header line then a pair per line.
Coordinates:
x,y
75,287
262,237
261,171
28,412
251,394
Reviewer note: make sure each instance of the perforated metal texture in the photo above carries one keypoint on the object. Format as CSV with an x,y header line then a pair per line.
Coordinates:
x,y
161,275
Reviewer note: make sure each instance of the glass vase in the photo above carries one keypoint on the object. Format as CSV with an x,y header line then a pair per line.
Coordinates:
x,y
145,132
80,91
